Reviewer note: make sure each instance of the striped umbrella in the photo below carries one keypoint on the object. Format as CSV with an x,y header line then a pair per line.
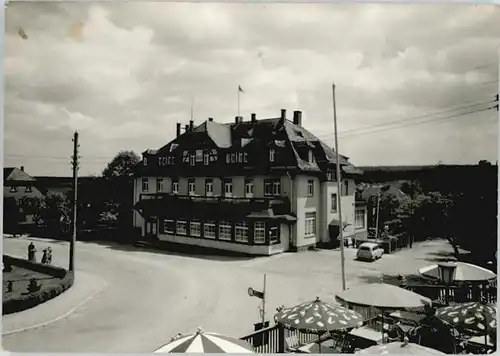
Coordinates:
x,y
202,342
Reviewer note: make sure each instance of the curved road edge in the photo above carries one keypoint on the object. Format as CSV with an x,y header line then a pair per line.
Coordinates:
x,y
84,289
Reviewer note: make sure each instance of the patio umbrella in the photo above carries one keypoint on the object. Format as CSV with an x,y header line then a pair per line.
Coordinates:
x,y
318,317
400,348
202,342
464,272
476,317
382,296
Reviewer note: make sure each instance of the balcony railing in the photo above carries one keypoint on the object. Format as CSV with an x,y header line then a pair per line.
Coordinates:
x,y
203,198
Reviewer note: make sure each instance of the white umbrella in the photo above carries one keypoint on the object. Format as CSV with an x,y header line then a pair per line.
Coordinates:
x,y
400,348
201,342
463,272
383,296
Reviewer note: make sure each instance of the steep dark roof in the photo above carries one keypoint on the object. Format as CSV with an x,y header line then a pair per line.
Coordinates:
x,y
13,173
272,131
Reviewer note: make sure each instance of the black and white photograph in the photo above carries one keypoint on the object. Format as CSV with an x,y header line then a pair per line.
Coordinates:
x,y
250,177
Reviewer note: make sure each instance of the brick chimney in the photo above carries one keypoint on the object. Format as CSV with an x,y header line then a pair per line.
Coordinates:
x,y
253,117
22,168
297,118
238,119
191,125
186,128
283,114
178,133
211,119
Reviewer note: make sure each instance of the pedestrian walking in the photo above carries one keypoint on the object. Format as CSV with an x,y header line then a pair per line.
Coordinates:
x,y
44,257
49,255
32,252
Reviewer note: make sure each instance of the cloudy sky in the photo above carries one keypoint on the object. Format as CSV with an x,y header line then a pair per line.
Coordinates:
x,y
410,78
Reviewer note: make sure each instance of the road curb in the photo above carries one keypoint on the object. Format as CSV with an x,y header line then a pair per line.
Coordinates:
x,y
60,317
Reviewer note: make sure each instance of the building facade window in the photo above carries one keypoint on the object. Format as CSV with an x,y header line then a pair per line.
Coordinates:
x,y
199,155
310,224
225,230
191,186
259,232
206,159
346,188
241,231
175,187
145,161
272,187
192,159
248,189
168,226
334,203
272,154
195,228
228,189
274,234
145,184
310,188
181,227
159,184
359,218
209,229
209,187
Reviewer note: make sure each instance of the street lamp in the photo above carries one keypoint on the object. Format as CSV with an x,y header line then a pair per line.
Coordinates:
x,y
446,272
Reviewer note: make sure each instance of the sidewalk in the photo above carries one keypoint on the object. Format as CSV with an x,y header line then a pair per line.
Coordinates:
x,y
86,286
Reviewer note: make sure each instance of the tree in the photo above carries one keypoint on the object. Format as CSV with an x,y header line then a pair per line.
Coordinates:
x,y
122,165
119,174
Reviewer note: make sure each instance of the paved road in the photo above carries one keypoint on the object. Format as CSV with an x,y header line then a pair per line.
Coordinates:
x,y
153,295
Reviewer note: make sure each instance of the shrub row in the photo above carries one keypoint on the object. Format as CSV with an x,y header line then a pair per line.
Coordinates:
x,y
34,266
23,302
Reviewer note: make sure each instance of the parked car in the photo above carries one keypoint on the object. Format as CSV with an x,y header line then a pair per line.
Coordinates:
x,y
369,251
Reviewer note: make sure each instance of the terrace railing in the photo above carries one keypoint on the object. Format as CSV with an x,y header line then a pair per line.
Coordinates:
x,y
457,294
277,339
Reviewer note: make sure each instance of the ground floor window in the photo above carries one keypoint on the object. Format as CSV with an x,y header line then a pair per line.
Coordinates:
x,y
259,232
274,234
310,224
359,219
195,229
209,230
241,231
225,230
168,226
181,227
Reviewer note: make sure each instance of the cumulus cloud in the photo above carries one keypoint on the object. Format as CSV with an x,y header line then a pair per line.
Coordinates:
x,y
124,74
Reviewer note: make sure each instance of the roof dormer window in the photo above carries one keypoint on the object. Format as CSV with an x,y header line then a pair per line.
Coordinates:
x,y
310,156
272,153
145,161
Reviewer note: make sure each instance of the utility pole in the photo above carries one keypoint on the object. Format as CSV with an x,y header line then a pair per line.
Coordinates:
x,y
339,191
74,163
264,303
378,210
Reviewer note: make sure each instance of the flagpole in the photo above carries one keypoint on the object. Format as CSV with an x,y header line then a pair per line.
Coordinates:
x,y
339,191
238,100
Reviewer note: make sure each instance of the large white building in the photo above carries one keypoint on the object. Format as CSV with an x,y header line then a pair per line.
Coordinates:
x,y
258,187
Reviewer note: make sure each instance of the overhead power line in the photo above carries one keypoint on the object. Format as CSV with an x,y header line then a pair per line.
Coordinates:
x,y
413,118
446,118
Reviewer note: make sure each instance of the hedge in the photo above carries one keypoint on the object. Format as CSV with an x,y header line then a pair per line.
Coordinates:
x,y
23,302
